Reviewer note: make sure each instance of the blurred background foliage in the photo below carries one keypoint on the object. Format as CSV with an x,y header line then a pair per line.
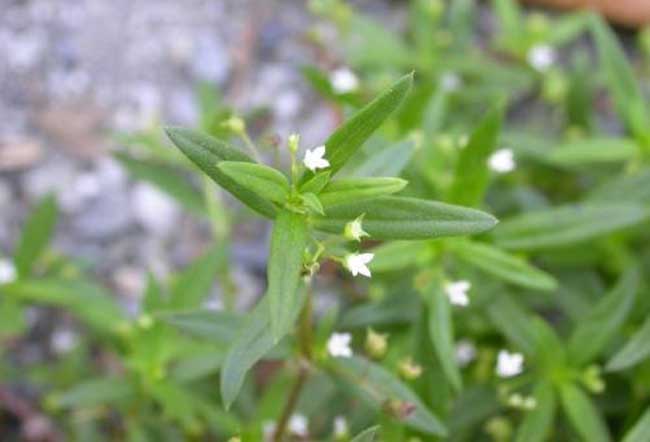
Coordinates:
x,y
126,274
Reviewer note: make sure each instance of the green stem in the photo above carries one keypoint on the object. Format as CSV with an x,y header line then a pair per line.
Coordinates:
x,y
249,144
305,338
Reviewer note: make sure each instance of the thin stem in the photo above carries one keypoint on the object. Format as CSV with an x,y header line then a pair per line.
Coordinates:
x,y
291,404
305,341
251,146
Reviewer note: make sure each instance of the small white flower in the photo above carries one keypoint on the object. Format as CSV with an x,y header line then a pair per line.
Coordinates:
x,y
502,161
7,272
541,57
344,81
356,263
298,424
341,429
509,364
338,345
314,159
450,81
465,352
457,292
354,229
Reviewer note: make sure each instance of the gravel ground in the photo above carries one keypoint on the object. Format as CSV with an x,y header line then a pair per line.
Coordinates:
x,y
75,70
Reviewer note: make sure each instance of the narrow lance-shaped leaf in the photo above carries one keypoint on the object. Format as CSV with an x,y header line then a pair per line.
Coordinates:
x,y
538,423
583,415
36,235
640,431
350,190
288,242
378,387
594,151
441,330
512,320
407,218
347,139
220,326
316,183
258,178
636,350
367,435
193,284
600,325
472,172
503,265
621,81
397,255
253,341
567,225
206,153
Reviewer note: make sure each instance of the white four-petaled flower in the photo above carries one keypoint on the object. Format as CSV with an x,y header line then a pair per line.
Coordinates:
x,y
457,292
541,57
509,364
314,159
338,345
357,263
344,81
502,161
7,272
298,424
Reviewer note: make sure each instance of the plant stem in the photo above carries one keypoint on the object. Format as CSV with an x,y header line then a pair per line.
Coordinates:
x,y
251,146
305,341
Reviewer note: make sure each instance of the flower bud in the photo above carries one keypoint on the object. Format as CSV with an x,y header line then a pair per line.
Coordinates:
x,y
592,379
354,229
294,142
398,409
409,370
235,124
145,321
376,344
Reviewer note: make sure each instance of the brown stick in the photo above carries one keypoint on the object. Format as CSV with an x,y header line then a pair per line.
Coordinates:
x,y
625,12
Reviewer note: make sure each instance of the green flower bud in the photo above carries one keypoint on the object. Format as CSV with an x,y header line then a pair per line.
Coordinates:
x,y
409,370
235,124
376,344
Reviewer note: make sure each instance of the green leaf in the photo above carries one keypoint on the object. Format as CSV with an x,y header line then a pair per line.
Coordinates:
x,y
398,255
217,326
88,301
441,331
253,341
503,265
349,190
389,160
206,152
538,423
367,435
512,321
640,431
601,324
594,151
193,284
166,179
288,242
94,392
636,349
407,218
198,366
348,138
583,415
36,235
377,386
312,203
259,179
472,173
628,97
316,183
566,225
624,188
